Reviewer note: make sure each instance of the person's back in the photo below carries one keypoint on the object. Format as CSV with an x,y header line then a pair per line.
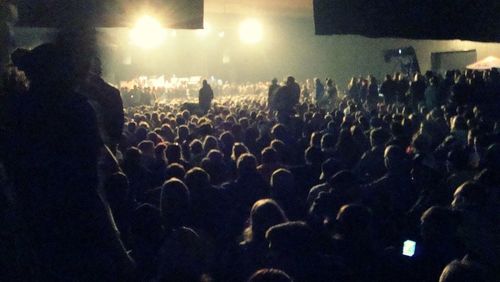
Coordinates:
x,y
432,94
271,94
394,191
206,95
245,190
440,242
54,172
207,202
253,254
371,165
108,106
387,88
295,251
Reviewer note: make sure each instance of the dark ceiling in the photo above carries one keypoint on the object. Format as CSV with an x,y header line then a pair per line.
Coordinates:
x,y
477,20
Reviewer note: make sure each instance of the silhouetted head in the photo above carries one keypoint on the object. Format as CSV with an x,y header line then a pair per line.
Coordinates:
x,y
174,203
238,150
282,183
353,221
269,156
345,184
290,238
247,165
439,223
470,194
175,170
196,179
264,214
46,65
173,153
395,158
270,275
458,271
329,168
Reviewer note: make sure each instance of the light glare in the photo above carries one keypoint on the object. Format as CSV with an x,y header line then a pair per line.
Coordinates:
x,y
204,32
251,31
148,33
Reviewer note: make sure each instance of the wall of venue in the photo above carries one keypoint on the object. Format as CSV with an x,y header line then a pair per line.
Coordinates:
x,y
289,46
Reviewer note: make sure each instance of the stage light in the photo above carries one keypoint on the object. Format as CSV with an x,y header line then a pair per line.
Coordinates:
x,y
251,31
148,33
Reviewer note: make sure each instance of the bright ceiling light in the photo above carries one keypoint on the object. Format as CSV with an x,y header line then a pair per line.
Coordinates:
x,y
251,31
148,33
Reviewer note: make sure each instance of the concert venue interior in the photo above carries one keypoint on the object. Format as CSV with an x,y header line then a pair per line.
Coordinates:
x,y
250,140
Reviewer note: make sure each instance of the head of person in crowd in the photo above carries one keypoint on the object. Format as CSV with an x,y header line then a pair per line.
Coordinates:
x,y
378,137
196,149
197,180
470,195
282,184
238,150
493,157
174,204
354,222
247,165
396,160
462,271
457,160
159,152
226,142
167,133
345,187
263,215
175,170
270,275
279,132
210,143
146,225
173,153
313,157
47,66
269,156
182,256
182,133
147,148
132,158
439,224
329,168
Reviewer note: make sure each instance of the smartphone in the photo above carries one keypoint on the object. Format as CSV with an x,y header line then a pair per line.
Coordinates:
x,y
409,248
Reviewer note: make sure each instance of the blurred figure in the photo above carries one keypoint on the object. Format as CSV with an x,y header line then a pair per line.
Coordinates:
x,y
287,98
205,97
388,89
271,94
107,103
319,90
54,172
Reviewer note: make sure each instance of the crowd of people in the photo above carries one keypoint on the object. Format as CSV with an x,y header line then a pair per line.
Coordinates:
x,y
277,187
148,96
